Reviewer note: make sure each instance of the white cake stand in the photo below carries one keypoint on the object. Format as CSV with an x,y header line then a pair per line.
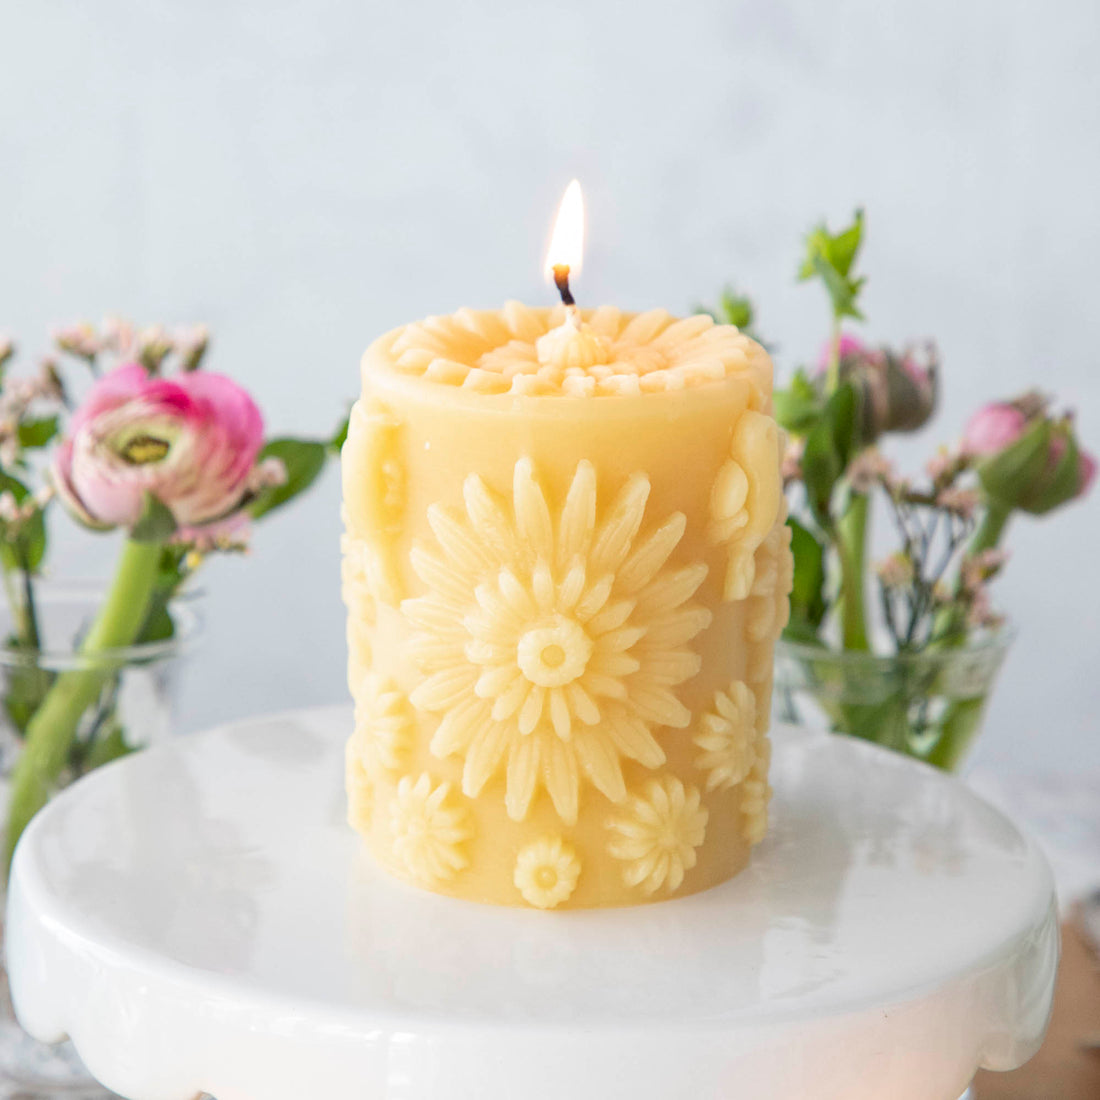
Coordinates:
x,y
199,918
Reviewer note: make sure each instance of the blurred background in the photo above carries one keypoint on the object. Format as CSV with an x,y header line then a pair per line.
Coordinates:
x,y
305,174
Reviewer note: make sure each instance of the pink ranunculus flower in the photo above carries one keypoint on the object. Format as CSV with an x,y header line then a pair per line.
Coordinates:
x,y
191,441
993,428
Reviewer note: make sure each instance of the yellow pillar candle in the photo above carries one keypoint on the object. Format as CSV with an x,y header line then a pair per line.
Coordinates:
x,y
565,566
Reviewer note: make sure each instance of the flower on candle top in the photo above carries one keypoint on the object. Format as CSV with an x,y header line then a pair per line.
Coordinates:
x,y
191,442
726,736
498,352
429,829
546,872
552,643
657,834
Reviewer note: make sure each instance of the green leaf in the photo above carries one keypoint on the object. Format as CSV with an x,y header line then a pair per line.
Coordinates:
x,y
156,522
37,433
32,543
831,257
26,549
158,624
736,309
340,436
830,446
109,746
798,407
808,603
25,686
802,632
842,414
304,460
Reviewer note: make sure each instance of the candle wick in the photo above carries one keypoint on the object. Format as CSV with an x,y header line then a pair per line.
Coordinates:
x,y
561,281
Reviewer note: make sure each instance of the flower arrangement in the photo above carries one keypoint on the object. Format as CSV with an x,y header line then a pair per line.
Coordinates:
x,y
169,453
932,590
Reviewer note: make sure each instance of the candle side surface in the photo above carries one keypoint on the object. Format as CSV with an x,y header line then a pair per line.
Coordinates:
x,y
564,580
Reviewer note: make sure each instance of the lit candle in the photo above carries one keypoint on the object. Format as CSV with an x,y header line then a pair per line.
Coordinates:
x,y
572,344
565,565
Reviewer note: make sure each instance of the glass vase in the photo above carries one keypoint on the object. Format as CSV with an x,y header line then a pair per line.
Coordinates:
x,y
927,705
133,708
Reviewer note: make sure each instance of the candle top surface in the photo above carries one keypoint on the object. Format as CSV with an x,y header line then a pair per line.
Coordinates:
x,y
552,352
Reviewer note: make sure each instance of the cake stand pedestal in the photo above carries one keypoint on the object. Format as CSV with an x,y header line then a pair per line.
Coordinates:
x,y
199,918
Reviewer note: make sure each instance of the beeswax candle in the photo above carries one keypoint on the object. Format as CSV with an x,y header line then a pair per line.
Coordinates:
x,y
565,565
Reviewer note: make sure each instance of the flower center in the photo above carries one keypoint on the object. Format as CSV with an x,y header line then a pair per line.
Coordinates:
x,y
554,653
141,450
546,877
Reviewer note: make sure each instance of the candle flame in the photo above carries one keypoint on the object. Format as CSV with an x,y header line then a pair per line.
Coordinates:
x,y
567,241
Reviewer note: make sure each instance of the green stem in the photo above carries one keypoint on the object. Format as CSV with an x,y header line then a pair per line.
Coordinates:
x,y
32,638
949,626
962,718
992,527
851,534
957,730
832,377
50,733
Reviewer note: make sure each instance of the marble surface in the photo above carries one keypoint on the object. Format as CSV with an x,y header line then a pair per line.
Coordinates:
x,y
199,918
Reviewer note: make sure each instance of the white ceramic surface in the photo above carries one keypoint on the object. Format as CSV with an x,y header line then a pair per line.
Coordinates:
x,y
200,918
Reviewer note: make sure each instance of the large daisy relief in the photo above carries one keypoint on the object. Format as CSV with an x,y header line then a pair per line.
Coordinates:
x,y
552,640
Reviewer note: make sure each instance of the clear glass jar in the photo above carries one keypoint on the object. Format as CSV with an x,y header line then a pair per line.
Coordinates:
x,y
133,707
928,705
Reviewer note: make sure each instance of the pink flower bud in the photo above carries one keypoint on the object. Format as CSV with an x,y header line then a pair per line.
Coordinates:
x,y
849,346
190,441
993,428
1086,468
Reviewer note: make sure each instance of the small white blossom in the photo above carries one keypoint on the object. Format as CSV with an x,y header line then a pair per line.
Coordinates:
x,y
981,567
896,571
791,467
79,340
268,474
962,502
868,469
118,336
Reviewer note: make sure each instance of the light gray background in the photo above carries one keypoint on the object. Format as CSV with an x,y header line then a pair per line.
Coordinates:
x,y
303,175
